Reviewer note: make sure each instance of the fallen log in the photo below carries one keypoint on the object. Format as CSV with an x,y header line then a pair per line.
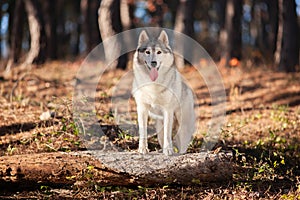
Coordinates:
x,y
115,168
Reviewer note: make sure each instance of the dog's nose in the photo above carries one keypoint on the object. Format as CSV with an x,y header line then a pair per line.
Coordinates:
x,y
153,63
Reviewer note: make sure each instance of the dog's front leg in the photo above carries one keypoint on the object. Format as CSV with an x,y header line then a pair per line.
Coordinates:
x,y
168,123
142,111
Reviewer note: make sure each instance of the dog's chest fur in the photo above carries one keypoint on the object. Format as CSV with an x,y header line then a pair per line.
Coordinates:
x,y
154,94
164,91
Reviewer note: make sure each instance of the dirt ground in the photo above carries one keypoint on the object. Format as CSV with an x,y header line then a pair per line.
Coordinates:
x,y
262,129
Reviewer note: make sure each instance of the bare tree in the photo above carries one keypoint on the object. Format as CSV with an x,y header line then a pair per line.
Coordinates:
x,y
36,53
16,35
126,14
258,26
279,33
222,33
89,9
287,46
61,29
50,28
184,23
273,20
1,3
231,38
75,35
184,19
110,23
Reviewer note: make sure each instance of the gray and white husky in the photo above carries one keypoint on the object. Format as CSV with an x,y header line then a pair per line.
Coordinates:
x,y
160,92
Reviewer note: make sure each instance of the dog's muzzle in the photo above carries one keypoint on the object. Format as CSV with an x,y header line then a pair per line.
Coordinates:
x,y
153,64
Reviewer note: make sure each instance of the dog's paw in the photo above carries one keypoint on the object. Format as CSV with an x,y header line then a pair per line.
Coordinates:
x,y
168,151
143,150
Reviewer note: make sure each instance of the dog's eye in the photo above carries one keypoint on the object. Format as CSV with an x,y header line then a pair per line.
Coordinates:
x,y
159,52
147,52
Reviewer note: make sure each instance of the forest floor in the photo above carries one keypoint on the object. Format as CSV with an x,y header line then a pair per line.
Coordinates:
x,y
262,129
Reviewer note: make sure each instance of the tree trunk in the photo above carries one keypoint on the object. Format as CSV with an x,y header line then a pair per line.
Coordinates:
x,y
93,20
184,24
287,52
126,20
16,35
115,168
258,28
222,34
62,47
279,34
1,34
233,31
110,24
273,17
36,54
84,23
179,26
50,28
236,31
89,23
75,44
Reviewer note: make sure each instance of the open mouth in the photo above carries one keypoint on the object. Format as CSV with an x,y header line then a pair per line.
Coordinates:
x,y
153,72
150,68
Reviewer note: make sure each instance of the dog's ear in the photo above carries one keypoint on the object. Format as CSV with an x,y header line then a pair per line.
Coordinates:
x,y
143,37
164,37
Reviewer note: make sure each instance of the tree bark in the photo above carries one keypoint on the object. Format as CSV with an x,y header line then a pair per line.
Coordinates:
x,y
115,168
36,54
93,20
184,24
236,31
222,34
62,46
233,31
279,33
89,23
50,28
1,23
110,24
287,52
75,45
258,28
16,35
273,18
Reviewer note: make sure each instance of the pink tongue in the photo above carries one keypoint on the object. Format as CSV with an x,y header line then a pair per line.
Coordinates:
x,y
153,74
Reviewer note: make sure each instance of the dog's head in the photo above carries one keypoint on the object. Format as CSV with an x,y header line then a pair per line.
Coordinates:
x,y
154,54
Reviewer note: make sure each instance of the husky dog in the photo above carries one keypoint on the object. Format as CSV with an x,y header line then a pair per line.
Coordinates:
x,y
160,92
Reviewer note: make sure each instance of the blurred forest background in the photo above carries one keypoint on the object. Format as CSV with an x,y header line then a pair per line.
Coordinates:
x,y
255,42
253,31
